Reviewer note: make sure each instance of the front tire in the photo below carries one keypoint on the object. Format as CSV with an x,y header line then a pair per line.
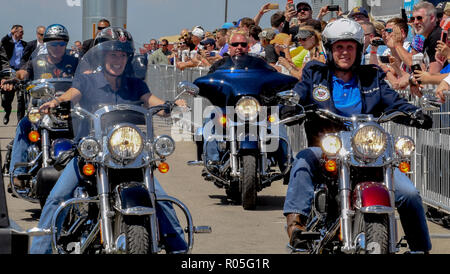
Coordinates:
x,y
249,180
376,229
137,235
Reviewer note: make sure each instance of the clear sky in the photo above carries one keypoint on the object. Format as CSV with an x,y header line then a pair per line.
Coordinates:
x,y
146,19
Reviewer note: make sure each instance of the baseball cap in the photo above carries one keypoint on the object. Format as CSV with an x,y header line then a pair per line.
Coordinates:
x,y
198,31
304,3
268,34
228,25
281,39
208,41
358,10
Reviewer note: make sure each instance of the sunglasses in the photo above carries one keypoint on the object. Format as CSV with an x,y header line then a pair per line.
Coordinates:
x,y
54,44
303,9
304,39
388,30
243,44
100,28
412,18
40,34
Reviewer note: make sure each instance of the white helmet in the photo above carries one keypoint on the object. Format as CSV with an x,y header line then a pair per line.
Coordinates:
x,y
343,29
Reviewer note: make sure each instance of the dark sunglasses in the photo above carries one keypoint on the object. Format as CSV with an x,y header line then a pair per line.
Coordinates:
x,y
388,30
54,44
40,34
412,18
243,44
303,9
100,28
303,39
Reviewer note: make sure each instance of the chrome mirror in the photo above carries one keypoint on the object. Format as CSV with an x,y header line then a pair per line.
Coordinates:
x,y
185,86
289,97
430,102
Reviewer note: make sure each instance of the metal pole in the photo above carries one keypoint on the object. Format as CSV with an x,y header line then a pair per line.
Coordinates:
x,y
226,10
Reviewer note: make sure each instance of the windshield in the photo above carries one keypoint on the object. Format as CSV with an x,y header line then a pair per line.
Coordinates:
x,y
105,77
51,60
246,62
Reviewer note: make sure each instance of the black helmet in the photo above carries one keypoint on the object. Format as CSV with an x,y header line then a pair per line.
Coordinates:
x,y
115,38
56,32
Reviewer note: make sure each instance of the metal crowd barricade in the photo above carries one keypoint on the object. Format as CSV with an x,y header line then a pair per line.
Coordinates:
x,y
430,165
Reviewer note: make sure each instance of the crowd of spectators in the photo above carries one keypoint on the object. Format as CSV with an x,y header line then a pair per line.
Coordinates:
x,y
294,38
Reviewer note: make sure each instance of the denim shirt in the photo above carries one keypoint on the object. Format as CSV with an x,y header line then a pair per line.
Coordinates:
x,y
17,54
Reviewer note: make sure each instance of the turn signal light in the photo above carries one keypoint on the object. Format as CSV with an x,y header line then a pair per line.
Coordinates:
x,y
404,167
272,118
34,136
331,165
223,120
163,167
88,169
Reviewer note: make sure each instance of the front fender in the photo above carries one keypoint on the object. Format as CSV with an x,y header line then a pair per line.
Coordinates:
x,y
133,199
372,196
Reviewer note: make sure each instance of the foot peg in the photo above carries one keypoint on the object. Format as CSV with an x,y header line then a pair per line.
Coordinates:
x,y
195,163
202,229
36,231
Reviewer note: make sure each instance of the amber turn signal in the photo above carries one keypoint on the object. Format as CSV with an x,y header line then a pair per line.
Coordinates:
x,y
88,169
163,167
404,167
331,166
223,120
34,136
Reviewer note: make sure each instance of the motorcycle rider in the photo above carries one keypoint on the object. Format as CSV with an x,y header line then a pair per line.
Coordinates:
x,y
57,63
112,83
238,47
345,87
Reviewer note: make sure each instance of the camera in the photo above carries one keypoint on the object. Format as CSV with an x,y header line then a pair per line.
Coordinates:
x,y
333,7
384,59
377,42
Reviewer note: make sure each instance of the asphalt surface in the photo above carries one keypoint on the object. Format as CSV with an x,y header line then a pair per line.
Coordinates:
x,y
234,230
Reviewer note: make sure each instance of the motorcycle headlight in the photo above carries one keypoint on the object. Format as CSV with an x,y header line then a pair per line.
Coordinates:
x,y
369,142
247,108
34,115
125,143
404,146
331,144
164,145
88,148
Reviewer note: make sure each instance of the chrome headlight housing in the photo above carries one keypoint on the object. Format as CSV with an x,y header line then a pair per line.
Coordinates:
x,y
404,146
164,145
34,115
88,148
369,142
125,142
247,108
331,144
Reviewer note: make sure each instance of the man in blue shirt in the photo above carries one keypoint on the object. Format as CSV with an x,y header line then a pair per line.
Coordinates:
x,y
345,87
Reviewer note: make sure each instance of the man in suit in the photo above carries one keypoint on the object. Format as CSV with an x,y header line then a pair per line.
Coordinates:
x,y
32,45
89,43
13,46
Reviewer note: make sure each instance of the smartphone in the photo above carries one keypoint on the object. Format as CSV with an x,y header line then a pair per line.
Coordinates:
x,y
291,4
273,6
414,68
444,35
384,59
212,54
333,7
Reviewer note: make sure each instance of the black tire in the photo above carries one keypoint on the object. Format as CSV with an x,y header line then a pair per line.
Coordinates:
x,y
137,235
376,228
249,180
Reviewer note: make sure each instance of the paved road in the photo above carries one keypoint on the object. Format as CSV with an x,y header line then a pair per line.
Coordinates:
x,y
235,231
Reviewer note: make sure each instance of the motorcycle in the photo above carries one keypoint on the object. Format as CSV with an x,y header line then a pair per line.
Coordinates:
x,y
50,134
243,90
353,209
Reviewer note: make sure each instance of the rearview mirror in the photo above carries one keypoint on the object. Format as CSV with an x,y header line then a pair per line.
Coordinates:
x,y
185,86
289,97
430,103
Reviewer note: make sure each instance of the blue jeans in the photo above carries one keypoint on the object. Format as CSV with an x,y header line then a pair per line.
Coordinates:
x,y
213,154
21,143
170,230
300,193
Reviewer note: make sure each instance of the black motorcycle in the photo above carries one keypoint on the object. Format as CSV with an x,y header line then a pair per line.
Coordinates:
x,y
244,127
